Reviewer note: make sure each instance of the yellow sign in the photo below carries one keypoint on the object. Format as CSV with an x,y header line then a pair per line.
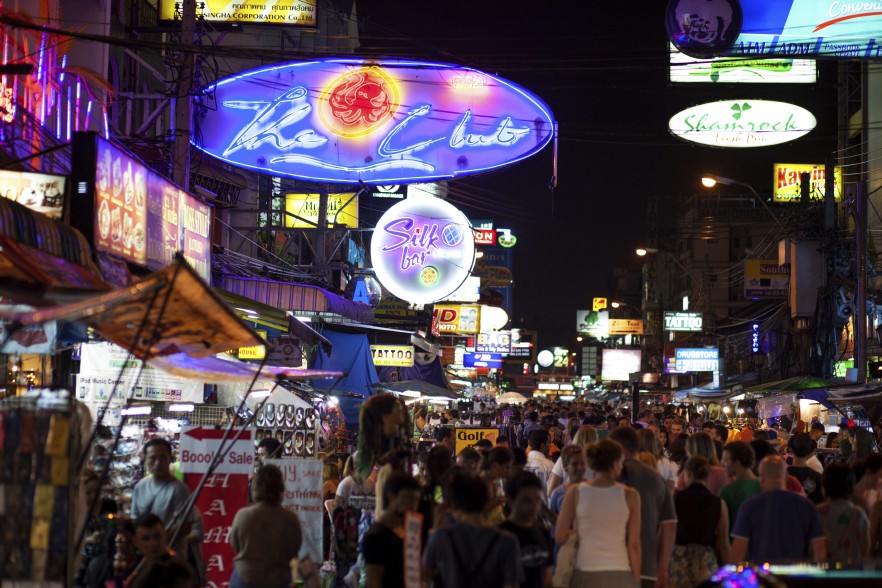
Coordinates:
x,y
788,182
468,437
599,304
392,355
342,210
625,326
256,352
280,12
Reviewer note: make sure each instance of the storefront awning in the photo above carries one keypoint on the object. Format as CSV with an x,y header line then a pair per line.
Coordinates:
x,y
297,297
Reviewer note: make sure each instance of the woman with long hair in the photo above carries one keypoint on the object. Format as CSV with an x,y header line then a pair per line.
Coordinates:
x,y
651,445
265,536
605,515
585,436
702,445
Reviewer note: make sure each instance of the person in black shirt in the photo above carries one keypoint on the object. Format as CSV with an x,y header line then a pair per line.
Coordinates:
x,y
383,544
802,446
525,497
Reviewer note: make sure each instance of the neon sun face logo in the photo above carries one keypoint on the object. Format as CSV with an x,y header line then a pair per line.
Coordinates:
x,y
358,103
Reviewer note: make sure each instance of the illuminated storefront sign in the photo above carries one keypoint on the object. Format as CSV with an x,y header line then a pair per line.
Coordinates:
x,y
392,355
279,12
505,238
755,338
625,326
796,28
381,122
684,321
138,215
701,359
394,191
303,210
423,249
455,318
494,342
788,177
255,352
619,364
764,278
741,70
485,236
593,323
40,192
484,360
742,123
470,291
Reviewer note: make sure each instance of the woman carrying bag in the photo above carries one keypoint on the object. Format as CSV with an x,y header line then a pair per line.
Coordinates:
x,y
605,516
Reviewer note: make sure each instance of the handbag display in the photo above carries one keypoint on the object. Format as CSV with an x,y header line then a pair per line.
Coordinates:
x,y
566,562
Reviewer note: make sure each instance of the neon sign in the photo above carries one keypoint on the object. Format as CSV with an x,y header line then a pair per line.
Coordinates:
x,y
383,122
423,249
742,123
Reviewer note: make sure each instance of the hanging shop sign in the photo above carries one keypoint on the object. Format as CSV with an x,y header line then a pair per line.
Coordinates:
x,y
493,342
42,193
765,278
199,445
380,122
284,351
619,364
482,360
742,123
134,213
788,182
18,339
796,28
594,323
701,359
423,249
103,364
456,318
485,236
684,321
741,70
392,355
278,12
303,210
625,326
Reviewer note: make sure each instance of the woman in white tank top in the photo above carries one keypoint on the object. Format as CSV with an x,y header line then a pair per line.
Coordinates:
x,y
606,516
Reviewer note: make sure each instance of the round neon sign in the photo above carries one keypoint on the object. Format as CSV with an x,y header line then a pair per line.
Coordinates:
x,y
423,249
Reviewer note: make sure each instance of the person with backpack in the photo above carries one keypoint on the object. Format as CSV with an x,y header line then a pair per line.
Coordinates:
x,y
469,553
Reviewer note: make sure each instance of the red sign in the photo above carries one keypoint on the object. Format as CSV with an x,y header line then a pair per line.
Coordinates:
x,y
220,499
199,445
485,236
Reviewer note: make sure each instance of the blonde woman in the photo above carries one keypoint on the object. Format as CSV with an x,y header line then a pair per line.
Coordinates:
x,y
651,445
702,445
585,436
606,517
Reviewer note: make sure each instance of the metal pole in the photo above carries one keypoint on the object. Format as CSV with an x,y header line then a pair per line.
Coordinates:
x,y
860,238
181,164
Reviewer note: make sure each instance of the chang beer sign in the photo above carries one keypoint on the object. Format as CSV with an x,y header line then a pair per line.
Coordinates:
x,y
742,123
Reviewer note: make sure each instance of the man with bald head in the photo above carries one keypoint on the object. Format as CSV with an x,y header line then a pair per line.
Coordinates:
x,y
777,525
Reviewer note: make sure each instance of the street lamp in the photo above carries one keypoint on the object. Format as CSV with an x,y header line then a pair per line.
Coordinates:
x,y
710,180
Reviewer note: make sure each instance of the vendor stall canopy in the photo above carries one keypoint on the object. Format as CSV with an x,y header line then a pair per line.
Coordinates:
x,y
173,320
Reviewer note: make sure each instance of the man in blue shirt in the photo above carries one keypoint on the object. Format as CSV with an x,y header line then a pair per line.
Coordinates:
x,y
777,525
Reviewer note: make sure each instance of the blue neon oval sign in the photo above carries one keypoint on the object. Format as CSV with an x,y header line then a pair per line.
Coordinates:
x,y
380,122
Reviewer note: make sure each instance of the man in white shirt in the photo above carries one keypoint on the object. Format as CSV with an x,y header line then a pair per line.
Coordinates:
x,y
816,432
537,459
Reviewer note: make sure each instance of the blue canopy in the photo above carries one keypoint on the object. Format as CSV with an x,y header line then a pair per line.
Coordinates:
x,y
351,353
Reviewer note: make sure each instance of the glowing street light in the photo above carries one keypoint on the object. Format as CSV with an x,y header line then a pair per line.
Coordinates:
x,y
711,180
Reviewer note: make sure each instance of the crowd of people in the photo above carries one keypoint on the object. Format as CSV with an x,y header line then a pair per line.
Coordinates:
x,y
578,495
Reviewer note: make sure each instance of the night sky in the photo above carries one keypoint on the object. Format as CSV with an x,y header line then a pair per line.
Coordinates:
x,y
602,68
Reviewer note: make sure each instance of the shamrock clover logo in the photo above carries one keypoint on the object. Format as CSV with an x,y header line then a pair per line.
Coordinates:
x,y
739,110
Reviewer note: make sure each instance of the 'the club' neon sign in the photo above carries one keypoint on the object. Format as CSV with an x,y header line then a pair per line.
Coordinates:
x,y
383,122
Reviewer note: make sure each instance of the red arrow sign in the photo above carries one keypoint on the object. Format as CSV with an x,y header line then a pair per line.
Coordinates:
x,y
201,433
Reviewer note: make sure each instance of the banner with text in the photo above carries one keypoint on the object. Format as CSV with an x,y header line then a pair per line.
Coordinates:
x,y
764,278
303,497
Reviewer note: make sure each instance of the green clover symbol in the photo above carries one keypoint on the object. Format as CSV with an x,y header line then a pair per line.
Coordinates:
x,y
739,110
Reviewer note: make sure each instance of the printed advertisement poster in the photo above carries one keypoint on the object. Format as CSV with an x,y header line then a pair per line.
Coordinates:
x,y
101,364
222,496
303,497
40,192
303,210
144,218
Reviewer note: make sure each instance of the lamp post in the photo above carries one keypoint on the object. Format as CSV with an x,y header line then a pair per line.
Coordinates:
x,y
710,180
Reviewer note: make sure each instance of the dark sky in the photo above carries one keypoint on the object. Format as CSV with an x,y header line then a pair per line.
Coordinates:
x,y
602,68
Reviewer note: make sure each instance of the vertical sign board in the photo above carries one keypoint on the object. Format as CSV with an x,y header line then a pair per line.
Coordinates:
x,y
224,493
303,497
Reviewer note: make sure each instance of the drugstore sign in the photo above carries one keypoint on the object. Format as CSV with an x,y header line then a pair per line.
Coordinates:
x,y
742,123
380,122
702,359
